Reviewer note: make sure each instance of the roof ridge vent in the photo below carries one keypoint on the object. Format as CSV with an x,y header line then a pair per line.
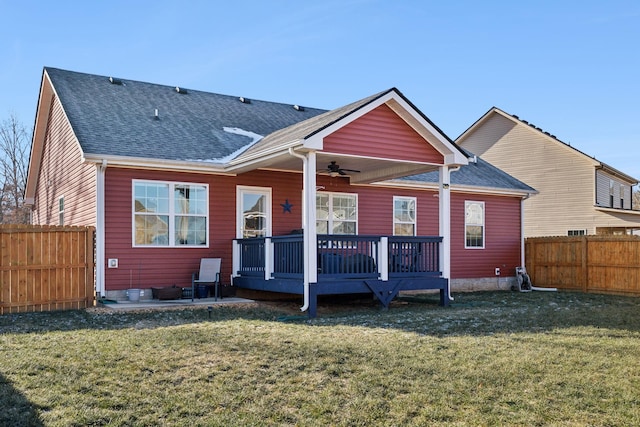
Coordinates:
x,y
115,81
181,90
298,107
244,100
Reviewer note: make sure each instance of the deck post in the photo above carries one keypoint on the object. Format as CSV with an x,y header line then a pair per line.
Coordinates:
x,y
383,259
235,259
313,300
268,258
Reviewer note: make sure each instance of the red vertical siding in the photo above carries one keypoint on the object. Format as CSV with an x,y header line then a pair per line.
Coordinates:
x,y
382,133
502,238
62,173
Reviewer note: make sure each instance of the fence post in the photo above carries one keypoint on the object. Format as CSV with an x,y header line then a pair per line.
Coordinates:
x,y
585,263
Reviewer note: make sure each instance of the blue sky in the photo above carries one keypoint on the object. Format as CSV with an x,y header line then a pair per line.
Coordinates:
x,y
571,68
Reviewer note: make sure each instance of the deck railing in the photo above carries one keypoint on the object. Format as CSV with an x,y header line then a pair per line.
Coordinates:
x,y
340,256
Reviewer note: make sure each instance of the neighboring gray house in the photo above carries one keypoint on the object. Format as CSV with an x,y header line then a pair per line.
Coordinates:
x,y
578,194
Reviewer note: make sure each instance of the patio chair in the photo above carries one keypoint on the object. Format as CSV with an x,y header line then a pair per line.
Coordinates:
x,y
209,274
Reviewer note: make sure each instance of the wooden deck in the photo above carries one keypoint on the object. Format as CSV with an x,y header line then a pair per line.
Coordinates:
x,y
382,265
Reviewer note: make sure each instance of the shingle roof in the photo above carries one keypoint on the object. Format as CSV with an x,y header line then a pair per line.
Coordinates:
x,y
119,119
477,174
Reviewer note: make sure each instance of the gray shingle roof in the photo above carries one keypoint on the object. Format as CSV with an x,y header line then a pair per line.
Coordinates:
x,y
477,174
118,120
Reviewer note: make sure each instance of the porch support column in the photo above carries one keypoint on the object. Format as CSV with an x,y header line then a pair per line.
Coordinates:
x,y
444,194
310,232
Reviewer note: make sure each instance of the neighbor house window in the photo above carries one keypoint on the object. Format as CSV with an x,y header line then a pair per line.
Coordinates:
x,y
170,214
621,196
611,194
474,224
576,232
404,216
336,213
61,211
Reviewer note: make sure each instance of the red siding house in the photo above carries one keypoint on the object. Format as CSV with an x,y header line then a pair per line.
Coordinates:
x,y
371,197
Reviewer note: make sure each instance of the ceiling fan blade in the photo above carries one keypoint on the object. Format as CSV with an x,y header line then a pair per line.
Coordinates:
x,y
350,170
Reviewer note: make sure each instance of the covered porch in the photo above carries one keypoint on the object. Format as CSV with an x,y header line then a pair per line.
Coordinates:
x,y
340,264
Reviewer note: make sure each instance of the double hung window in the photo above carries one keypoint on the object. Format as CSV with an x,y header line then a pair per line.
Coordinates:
x,y
474,224
404,216
170,214
336,213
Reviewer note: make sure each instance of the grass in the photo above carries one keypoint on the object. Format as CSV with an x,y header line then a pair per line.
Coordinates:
x,y
492,358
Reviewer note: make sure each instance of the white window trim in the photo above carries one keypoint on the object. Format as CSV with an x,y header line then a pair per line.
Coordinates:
x,y
330,219
415,221
240,190
171,213
484,226
61,212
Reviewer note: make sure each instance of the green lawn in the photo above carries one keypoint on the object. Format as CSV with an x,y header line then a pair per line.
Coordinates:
x,y
492,358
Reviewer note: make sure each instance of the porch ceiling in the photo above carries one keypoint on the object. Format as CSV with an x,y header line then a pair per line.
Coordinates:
x,y
371,169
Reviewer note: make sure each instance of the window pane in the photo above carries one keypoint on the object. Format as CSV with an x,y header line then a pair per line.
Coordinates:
x,y
344,207
152,230
322,227
403,230
343,227
254,215
151,197
190,199
191,230
404,210
474,236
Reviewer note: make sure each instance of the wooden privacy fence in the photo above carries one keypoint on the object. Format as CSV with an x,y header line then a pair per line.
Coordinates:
x,y
46,268
599,264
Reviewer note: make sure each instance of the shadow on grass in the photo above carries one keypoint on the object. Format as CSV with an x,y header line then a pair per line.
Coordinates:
x,y
15,408
476,313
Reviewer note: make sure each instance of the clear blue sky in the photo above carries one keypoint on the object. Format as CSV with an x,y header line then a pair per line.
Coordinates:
x,y
571,68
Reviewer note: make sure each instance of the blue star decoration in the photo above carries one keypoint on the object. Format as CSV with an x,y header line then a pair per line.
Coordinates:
x,y
286,206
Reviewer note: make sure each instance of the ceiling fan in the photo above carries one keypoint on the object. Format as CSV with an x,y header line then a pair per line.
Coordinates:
x,y
334,169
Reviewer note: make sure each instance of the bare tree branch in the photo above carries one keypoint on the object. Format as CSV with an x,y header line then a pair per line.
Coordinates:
x,y
14,161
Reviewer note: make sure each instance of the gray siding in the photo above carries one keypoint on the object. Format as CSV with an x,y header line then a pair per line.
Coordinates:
x,y
604,187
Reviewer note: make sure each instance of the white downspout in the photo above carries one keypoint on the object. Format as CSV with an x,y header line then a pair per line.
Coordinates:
x,y
100,243
522,246
444,193
305,228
